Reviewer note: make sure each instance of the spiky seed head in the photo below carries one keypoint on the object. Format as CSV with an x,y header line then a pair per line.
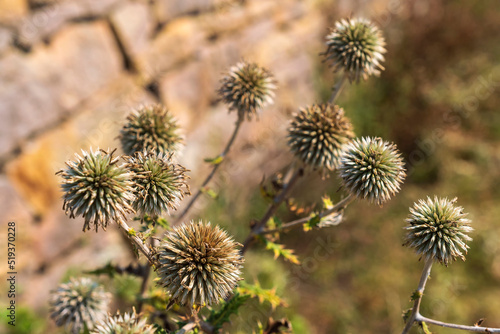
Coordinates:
x,y
199,264
96,188
372,169
151,128
160,183
437,230
247,88
128,323
317,135
79,304
355,46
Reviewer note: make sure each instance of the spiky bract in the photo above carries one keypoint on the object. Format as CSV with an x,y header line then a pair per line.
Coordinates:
x,y
372,169
97,189
247,88
160,183
437,229
128,323
151,128
199,264
357,47
79,304
318,133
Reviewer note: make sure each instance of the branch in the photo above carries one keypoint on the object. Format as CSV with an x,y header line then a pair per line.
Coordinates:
x,y
478,329
339,206
336,89
136,240
420,291
214,169
259,227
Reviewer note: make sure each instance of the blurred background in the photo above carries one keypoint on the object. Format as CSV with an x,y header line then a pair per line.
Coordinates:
x,y
71,71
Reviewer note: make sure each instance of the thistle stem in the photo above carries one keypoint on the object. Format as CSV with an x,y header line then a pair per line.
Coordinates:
x,y
136,240
214,170
415,312
259,227
339,206
336,89
146,272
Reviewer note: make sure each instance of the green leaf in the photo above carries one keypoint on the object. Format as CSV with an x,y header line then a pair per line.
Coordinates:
x,y
278,250
228,308
274,222
327,202
263,295
159,329
215,161
425,328
163,223
132,232
209,192
108,269
312,223
416,295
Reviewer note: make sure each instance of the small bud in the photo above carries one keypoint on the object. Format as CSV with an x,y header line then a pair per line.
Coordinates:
x,y
151,128
247,88
357,47
97,189
437,229
199,264
79,304
160,183
129,323
317,135
372,169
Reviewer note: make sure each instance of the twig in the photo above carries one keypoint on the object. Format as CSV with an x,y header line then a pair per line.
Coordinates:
x,y
136,240
336,89
259,227
339,206
478,329
146,272
214,169
420,291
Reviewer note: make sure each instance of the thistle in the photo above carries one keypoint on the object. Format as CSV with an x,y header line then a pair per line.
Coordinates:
x,y
151,128
372,169
97,189
357,47
437,229
247,88
160,183
129,323
79,304
199,264
317,135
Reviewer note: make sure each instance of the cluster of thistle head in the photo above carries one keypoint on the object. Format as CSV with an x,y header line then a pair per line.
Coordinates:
x,y
199,264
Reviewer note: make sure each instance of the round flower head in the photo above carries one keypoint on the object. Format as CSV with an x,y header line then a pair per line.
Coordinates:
x,y
357,47
437,229
372,168
160,183
79,304
129,323
198,264
96,188
317,135
247,88
151,128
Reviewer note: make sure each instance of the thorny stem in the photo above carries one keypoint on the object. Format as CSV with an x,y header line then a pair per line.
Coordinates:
x,y
214,169
416,317
336,89
146,272
136,240
339,206
259,227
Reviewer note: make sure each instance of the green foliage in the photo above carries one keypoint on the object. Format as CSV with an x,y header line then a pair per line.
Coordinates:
x,y
263,295
214,161
217,318
280,250
210,192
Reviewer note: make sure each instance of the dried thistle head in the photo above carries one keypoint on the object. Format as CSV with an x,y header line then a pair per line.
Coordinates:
x,y
437,229
199,264
355,46
96,188
371,168
128,323
79,304
151,128
160,183
317,135
247,88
